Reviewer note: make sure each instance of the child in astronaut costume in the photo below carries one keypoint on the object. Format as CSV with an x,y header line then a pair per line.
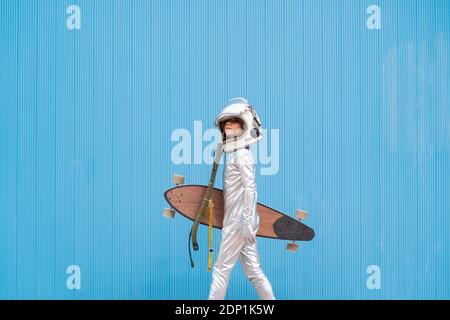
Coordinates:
x,y
240,127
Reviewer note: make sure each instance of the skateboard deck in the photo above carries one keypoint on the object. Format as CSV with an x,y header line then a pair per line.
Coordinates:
x,y
187,199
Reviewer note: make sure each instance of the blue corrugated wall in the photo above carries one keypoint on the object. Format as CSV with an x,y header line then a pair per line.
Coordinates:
x,y
86,119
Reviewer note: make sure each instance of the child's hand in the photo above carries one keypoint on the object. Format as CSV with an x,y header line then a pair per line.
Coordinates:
x,y
247,234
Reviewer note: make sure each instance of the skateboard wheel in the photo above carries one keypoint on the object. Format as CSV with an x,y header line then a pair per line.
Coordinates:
x,y
177,179
302,214
292,247
169,213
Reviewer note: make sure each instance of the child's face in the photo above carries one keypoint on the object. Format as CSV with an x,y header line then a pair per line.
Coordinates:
x,y
233,124
233,127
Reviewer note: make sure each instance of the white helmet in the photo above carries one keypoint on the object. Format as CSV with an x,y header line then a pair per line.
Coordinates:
x,y
251,125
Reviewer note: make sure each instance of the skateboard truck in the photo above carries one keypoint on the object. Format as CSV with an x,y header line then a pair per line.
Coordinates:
x,y
300,215
170,212
177,179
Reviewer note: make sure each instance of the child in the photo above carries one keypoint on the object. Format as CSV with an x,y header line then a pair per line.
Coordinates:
x,y
240,127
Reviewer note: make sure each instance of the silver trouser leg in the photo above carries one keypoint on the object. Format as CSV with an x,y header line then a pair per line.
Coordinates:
x,y
230,247
250,262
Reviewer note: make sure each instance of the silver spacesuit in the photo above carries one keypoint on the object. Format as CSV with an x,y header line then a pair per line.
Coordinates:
x,y
241,220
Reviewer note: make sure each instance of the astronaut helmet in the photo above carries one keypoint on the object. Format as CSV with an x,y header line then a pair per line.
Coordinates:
x,y
239,109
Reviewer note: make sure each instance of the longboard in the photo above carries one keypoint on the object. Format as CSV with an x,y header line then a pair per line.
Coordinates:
x,y
187,199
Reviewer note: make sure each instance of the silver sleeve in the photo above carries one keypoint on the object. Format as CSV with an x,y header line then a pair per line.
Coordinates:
x,y
247,170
